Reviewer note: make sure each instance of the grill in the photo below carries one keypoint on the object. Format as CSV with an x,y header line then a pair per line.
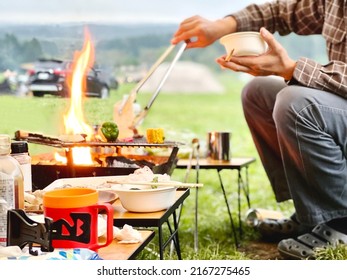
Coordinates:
x,y
45,169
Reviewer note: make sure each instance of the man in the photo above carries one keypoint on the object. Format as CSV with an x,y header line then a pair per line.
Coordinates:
x,y
299,122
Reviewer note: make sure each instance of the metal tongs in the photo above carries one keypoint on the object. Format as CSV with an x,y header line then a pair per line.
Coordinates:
x,y
138,119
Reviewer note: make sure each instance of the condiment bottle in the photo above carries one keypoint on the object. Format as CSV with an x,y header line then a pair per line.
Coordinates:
x,y
11,185
19,151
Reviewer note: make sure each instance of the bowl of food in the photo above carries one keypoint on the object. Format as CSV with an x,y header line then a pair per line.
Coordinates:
x,y
244,44
144,198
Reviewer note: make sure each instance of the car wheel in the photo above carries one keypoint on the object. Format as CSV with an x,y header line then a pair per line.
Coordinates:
x,y
104,92
38,93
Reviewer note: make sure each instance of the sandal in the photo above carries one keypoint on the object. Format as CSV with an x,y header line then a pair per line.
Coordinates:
x,y
322,236
275,230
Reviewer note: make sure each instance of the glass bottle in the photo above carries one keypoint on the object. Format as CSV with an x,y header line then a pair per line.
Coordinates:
x,y
19,151
11,185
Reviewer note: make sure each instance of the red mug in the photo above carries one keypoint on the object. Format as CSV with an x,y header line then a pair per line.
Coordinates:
x,y
74,212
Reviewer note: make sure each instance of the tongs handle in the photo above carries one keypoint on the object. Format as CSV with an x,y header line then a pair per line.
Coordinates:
x,y
144,112
154,67
168,71
148,75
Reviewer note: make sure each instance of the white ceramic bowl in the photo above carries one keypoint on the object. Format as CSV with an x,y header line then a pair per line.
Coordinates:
x,y
145,200
244,43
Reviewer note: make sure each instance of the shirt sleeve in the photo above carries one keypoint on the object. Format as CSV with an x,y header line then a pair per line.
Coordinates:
x,y
301,17
331,77
305,17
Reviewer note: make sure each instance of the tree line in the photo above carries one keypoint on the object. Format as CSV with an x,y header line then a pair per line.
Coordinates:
x,y
132,50
13,52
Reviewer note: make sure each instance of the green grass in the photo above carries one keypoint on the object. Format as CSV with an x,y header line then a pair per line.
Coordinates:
x,y
184,117
338,252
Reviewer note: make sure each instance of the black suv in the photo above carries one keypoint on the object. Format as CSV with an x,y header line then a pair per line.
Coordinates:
x,y
48,77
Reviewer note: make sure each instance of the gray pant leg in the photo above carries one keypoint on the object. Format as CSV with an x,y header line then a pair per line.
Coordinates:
x,y
301,137
258,100
312,133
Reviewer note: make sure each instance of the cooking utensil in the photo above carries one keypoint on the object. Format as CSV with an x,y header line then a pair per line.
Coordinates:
x,y
123,110
147,76
144,112
166,184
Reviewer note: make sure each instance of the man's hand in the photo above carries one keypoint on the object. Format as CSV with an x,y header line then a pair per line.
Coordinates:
x,y
199,32
274,62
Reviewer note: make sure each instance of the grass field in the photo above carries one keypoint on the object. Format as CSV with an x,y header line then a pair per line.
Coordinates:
x,y
184,117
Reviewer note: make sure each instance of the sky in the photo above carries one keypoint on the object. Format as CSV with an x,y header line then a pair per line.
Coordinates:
x,y
58,11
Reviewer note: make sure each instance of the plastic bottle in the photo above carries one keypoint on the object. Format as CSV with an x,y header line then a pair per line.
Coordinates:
x,y
19,151
11,185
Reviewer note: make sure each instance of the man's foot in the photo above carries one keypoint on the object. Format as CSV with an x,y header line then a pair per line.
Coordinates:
x,y
304,246
275,230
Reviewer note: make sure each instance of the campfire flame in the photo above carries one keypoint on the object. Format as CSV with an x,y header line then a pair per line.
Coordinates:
x,y
74,120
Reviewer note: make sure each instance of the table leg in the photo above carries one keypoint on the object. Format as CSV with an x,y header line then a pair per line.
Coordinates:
x,y
197,169
246,189
196,237
239,186
245,186
175,238
160,237
229,212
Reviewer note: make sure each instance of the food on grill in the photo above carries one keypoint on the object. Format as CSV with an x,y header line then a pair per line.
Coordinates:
x,y
155,135
110,131
71,138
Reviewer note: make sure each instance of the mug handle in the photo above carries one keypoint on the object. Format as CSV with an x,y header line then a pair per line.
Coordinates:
x,y
109,213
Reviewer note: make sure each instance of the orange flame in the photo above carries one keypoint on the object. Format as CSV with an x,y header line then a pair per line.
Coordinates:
x,y
74,120
60,158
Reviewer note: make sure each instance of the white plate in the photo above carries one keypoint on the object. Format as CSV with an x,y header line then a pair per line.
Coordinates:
x,y
90,182
107,197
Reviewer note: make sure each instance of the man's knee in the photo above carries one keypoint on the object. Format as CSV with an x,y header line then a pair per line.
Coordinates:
x,y
251,89
290,102
261,92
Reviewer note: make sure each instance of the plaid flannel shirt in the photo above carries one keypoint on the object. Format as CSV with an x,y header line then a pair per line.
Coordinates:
x,y
306,17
